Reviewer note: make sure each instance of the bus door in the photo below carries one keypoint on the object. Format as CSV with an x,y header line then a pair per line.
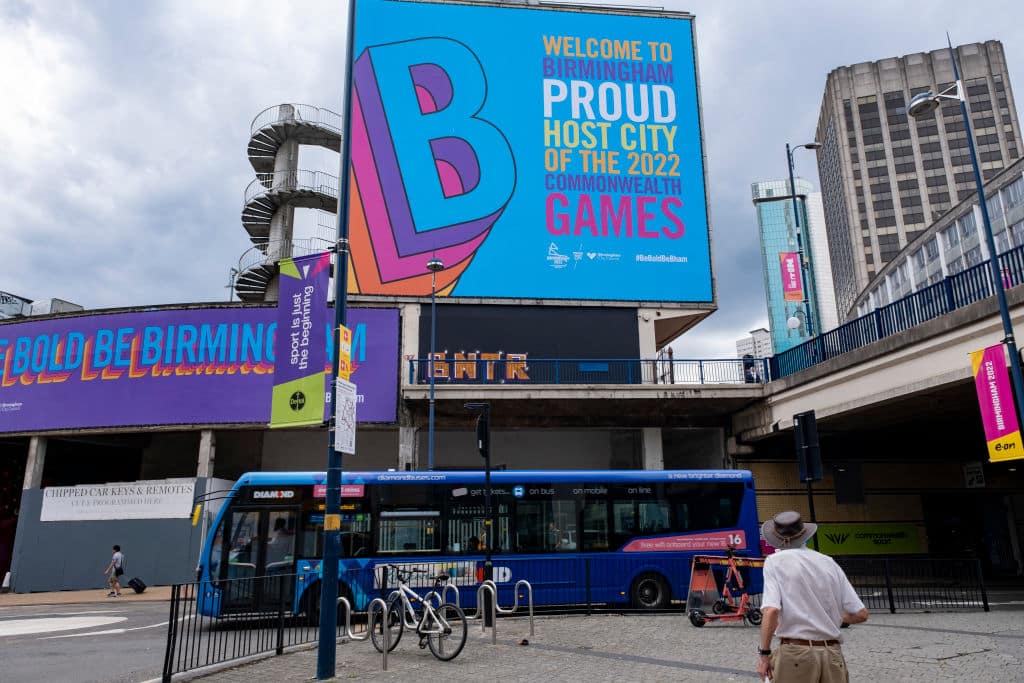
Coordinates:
x,y
261,559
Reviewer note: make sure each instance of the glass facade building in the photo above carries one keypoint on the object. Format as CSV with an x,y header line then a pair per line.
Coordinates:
x,y
953,243
785,256
886,177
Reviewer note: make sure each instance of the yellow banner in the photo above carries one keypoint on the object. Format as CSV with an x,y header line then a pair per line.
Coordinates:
x,y
345,353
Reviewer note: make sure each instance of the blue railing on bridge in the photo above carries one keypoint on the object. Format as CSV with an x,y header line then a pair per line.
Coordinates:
x,y
947,295
517,370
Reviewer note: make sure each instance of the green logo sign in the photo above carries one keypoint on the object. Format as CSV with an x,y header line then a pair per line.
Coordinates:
x,y
870,539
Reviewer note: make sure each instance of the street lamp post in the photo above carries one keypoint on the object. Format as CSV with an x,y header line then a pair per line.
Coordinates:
x,y
328,631
809,318
435,266
924,105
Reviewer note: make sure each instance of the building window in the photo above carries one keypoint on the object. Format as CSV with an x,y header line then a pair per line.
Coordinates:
x,y
1013,194
950,237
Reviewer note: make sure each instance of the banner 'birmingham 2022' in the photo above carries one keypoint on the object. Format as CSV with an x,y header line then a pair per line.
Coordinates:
x,y
172,366
539,153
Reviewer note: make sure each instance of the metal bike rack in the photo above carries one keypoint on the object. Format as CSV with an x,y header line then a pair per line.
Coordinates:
x,y
442,599
489,585
444,594
385,629
485,587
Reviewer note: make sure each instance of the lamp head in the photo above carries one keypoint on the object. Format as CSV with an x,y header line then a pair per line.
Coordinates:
x,y
793,323
922,104
813,145
434,265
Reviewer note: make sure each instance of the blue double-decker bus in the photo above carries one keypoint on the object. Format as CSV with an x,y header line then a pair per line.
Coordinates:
x,y
617,536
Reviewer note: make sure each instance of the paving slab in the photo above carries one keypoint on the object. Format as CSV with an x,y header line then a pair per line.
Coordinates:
x,y
600,648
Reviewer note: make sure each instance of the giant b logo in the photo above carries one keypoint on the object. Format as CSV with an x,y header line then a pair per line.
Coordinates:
x,y
429,176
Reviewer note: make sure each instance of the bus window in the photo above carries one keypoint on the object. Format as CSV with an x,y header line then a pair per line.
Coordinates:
x,y
245,544
705,506
409,531
467,527
281,541
216,550
544,526
653,518
595,525
312,535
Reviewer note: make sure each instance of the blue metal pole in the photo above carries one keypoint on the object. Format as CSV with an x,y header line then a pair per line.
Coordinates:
x,y
993,259
430,366
327,645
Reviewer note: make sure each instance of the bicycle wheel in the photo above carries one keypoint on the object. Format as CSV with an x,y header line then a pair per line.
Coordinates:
x,y
451,622
395,625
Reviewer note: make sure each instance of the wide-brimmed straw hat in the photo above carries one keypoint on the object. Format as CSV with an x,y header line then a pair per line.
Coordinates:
x,y
787,530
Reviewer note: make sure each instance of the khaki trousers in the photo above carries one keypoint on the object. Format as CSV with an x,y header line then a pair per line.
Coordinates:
x,y
809,664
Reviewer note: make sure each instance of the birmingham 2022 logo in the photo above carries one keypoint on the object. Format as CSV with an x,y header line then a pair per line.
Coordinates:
x,y
430,176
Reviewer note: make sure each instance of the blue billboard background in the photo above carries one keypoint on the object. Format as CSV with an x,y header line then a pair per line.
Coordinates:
x,y
539,153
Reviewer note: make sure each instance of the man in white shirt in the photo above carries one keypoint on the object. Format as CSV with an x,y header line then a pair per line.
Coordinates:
x,y
807,598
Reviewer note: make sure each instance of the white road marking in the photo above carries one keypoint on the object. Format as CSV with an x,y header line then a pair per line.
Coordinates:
x,y
113,630
20,627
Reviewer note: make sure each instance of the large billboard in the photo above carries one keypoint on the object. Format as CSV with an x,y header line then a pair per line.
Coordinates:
x,y
171,366
538,153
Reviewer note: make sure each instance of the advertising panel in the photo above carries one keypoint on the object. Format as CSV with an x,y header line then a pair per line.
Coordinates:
x,y
870,539
496,343
995,399
157,499
298,397
171,366
792,287
558,157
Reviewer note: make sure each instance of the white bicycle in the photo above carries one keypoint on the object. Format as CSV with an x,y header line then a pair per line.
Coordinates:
x,y
442,628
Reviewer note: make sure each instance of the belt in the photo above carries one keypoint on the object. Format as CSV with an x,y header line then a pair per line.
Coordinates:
x,y
801,641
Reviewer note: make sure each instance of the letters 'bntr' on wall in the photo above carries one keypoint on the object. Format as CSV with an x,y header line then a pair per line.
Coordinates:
x,y
537,152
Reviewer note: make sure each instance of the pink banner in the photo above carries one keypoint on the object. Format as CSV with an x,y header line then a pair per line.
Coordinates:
x,y
716,540
995,399
347,490
792,286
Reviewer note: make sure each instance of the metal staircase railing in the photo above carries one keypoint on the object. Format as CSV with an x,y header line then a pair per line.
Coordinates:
x,y
269,253
298,114
258,265
279,182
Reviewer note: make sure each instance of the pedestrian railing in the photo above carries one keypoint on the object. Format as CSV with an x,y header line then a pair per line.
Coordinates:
x,y
955,291
253,616
512,369
917,584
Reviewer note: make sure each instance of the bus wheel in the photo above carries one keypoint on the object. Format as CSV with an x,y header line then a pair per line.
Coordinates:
x,y
650,591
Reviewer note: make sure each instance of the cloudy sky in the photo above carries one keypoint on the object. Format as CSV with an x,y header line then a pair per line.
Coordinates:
x,y
125,123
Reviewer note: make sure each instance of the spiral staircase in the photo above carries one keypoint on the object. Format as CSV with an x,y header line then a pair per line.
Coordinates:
x,y
279,187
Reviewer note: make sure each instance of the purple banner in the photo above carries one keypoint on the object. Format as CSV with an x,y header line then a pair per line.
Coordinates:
x,y
171,366
299,377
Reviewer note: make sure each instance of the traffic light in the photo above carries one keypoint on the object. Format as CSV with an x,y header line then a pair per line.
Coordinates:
x,y
808,453
483,428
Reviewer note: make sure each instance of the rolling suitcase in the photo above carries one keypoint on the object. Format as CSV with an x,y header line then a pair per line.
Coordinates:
x,y
137,585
